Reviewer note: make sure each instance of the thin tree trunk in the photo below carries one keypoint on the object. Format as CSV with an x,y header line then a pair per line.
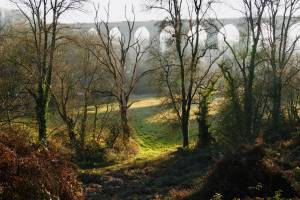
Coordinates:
x,y
95,121
41,115
72,137
276,109
248,105
83,124
248,112
203,128
124,121
185,128
42,123
71,131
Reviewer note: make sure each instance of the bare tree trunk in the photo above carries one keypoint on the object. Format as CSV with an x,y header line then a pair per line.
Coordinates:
x,y
248,110
83,123
124,121
276,107
72,137
42,121
41,114
95,121
185,128
203,132
248,94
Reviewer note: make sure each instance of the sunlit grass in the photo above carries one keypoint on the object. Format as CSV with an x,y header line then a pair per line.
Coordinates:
x,y
154,126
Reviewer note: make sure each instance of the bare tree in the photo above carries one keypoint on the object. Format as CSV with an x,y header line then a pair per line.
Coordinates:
x,y
72,92
100,123
246,60
185,62
279,47
122,58
14,100
42,17
15,59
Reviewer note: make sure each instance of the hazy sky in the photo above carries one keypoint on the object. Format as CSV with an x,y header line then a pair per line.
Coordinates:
x,y
117,10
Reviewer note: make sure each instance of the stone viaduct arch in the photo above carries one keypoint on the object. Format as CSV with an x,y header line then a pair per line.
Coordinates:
x,y
215,30
155,31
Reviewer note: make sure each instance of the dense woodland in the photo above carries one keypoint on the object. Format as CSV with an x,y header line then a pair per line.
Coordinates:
x,y
100,114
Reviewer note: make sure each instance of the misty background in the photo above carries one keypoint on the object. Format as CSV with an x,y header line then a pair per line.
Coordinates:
x,y
223,9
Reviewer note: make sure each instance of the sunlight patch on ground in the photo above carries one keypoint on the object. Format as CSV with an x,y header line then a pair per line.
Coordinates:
x,y
146,102
162,117
103,108
137,102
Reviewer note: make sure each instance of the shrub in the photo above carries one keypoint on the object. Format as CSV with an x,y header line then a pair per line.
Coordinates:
x,y
246,173
122,150
119,148
27,172
227,125
91,156
177,194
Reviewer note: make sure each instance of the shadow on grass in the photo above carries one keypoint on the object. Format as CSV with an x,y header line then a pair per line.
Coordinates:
x,y
86,164
180,170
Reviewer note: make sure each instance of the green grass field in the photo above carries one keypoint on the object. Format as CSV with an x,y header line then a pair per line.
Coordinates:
x,y
158,164
155,127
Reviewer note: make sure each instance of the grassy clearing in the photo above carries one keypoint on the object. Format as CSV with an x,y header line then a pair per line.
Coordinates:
x,y
156,127
155,130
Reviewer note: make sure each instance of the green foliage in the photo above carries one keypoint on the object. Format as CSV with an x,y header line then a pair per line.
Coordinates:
x,y
278,195
217,196
226,127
